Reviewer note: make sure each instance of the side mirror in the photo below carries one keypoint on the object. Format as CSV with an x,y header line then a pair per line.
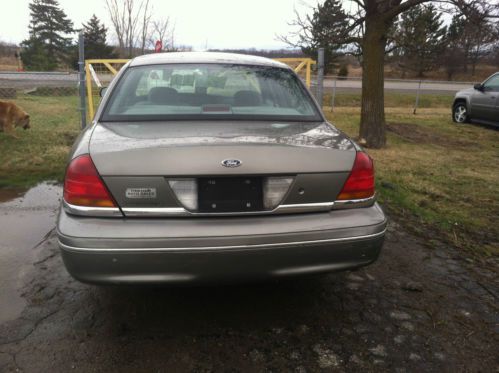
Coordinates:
x,y
478,87
102,91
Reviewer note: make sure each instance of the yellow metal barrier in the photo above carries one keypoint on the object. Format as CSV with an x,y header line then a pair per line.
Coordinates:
x,y
98,71
298,64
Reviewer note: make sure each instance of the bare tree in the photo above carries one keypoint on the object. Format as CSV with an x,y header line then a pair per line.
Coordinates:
x,y
164,31
145,27
131,23
479,32
117,15
453,56
370,24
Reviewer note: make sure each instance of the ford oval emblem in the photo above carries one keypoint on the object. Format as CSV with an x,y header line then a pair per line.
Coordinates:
x,y
231,163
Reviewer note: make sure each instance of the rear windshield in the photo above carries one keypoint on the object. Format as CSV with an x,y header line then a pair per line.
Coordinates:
x,y
209,91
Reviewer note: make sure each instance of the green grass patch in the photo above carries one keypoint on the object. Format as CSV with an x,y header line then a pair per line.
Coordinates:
x,y
40,152
437,176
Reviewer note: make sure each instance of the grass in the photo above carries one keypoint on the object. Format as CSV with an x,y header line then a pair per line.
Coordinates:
x,y
40,153
435,176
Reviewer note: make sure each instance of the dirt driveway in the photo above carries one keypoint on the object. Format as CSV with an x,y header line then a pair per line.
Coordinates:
x,y
417,309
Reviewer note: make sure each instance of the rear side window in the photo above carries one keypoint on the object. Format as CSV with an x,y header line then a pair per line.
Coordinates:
x,y
208,91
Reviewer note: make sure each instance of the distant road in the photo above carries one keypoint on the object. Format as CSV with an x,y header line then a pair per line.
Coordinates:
x,y
29,80
403,86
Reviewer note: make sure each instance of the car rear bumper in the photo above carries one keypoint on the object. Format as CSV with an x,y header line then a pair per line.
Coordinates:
x,y
186,250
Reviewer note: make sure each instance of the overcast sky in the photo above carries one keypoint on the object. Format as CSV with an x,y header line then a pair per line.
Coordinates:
x,y
215,23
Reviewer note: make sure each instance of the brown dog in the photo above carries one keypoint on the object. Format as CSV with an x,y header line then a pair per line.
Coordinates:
x,y
12,116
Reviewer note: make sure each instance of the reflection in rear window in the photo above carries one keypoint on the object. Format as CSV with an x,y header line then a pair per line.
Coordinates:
x,y
209,91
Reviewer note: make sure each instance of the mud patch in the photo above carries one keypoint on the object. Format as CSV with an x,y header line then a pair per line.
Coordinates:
x,y
8,194
308,324
423,135
24,222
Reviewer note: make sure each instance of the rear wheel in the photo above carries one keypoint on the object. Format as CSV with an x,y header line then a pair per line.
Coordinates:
x,y
460,113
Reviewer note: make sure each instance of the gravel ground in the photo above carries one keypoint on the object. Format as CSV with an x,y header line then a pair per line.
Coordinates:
x,y
416,309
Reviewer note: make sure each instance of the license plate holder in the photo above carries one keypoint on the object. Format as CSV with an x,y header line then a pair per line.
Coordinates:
x,y
230,194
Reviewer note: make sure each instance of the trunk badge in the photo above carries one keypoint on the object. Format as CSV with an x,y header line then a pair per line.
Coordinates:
x,y
231,163
140,193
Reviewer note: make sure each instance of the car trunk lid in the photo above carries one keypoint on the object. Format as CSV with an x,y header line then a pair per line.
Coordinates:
x,y
220,167
199,148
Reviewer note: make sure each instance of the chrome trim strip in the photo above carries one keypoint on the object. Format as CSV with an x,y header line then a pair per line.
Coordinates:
x,y
154,211
281,209
354,203
91,211
222,248
180,211
303,207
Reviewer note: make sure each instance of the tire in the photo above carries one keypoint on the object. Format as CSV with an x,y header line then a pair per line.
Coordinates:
x,y
460,113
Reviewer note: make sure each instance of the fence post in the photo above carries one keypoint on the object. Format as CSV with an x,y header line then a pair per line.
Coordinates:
x,y
320,77
417,98
81,69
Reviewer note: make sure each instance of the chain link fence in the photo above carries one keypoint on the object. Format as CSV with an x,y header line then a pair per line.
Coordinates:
x,y
337,91
37,84
50,98
39,87
408,93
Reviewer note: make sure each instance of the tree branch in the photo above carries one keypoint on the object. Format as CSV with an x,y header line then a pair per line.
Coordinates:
x,y
396,10
359,3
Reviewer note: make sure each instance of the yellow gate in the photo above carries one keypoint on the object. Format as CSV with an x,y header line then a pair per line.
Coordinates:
x,y
298,65
99,73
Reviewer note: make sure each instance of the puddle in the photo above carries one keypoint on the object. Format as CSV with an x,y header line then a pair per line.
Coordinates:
x,y
24,220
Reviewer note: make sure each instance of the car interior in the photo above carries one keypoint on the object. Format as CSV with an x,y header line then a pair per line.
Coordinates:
x,y
170,96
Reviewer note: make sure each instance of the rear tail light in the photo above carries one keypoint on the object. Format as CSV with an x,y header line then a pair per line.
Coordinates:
x,y
83,186
360,182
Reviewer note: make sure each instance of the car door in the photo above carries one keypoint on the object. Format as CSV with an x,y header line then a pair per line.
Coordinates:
x,y
484,102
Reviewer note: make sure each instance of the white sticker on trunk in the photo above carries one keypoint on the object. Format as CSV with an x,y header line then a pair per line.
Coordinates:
x,y
138,193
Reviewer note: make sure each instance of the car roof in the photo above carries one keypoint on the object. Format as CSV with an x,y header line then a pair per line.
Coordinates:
x,y
205,57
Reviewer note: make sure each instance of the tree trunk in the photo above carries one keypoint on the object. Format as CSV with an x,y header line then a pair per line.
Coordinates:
x,y
372,119
465,58
474,61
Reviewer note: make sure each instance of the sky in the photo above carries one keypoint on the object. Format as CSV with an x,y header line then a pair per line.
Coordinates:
x,y
198,23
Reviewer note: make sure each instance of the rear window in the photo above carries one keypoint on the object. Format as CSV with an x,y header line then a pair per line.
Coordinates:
x,y
209,91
